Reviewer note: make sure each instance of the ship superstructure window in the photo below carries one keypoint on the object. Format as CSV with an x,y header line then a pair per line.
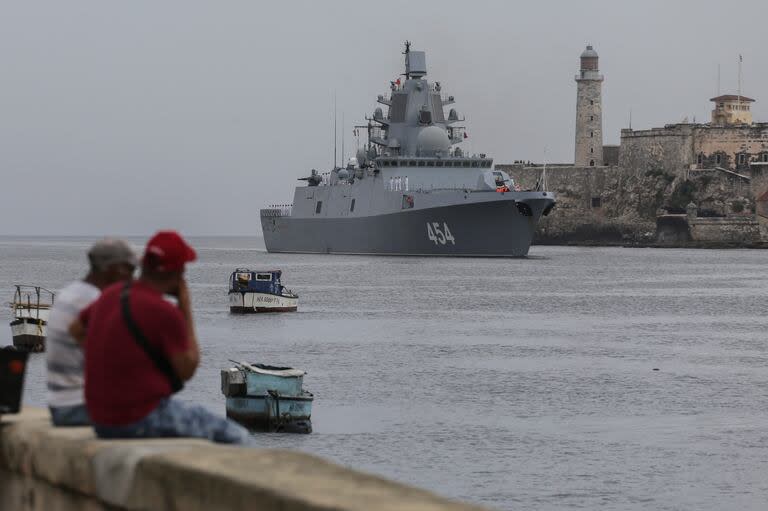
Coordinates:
x,y
449,164
352,206
266,277
474,164
422,163
439,163
465,164
318,207
430,164
411,163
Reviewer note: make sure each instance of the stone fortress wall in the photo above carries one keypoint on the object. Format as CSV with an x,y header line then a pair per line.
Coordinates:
x,y
643,191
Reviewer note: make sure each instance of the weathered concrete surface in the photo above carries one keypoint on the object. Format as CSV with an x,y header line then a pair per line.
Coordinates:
x,y
46,468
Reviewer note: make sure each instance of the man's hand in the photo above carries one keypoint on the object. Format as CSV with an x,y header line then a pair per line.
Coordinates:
x,y
77,331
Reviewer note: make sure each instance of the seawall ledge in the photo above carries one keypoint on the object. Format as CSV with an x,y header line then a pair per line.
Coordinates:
x,y
42,467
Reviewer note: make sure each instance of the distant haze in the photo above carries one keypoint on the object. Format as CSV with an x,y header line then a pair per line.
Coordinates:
x,y
126,117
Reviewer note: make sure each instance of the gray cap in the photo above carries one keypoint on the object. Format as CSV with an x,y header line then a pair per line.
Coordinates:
x,y
104,253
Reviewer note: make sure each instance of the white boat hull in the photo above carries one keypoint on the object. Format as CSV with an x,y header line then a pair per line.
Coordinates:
x,y
250,302
28,334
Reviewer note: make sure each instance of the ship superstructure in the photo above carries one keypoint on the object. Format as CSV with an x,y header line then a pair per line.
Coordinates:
x,y
410,190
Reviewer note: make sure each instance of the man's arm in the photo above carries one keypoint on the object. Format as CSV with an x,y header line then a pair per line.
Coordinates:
x,y
185,363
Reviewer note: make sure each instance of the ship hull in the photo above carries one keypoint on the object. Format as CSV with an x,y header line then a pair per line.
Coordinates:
x,y
496,228
243,302
28,334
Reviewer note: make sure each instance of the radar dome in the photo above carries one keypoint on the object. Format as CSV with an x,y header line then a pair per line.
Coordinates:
x,y
432,140
343,174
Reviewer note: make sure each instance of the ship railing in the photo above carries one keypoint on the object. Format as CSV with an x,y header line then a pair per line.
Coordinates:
x,y
277,210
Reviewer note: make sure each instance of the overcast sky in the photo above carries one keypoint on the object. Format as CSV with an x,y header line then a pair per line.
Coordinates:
x,y
126,117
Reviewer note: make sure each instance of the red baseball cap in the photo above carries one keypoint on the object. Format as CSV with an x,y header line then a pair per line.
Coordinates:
x,y
167,251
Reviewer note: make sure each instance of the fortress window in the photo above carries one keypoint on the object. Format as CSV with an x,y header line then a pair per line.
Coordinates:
x,y
318,207
765,158
718,159
597,202
352,206
591,149
700,159
742,159
591,117
591,102
591,163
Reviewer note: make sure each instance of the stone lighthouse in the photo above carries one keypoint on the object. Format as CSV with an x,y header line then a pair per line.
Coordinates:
x,y
589,112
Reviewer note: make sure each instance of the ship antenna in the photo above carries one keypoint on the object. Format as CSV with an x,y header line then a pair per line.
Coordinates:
x,y
406,52
343,159
335,160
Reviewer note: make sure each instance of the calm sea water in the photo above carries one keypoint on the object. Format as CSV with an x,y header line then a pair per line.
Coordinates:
x,y
516,384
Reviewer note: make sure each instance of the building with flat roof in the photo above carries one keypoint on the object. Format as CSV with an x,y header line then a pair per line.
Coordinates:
x,y
731,109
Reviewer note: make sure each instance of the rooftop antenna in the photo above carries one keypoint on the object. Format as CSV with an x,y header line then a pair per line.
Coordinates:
x,y
718,79
739,92
630,118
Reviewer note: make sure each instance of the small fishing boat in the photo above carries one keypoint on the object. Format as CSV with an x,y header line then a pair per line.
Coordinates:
x,y
259,291
30,308
267,398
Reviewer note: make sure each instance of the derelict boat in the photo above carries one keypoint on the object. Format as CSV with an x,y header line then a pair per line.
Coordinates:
x,y
267,398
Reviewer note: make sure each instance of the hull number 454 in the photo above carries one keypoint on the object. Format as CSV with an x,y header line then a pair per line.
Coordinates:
x,y
438,234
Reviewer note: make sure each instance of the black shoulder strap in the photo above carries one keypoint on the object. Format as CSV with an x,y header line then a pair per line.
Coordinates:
x,y
162,363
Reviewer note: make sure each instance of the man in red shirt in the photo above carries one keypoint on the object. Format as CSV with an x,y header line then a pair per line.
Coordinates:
x,y
139,348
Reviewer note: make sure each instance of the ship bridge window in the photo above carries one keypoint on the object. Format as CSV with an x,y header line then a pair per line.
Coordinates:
x,y
449,164
385,163
474,164
412,163
439,163
430,164
267,277
487,164
352,206
422,163
465,164
318,207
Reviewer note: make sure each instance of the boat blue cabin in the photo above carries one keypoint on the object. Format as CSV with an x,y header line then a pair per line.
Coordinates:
x,y
244,280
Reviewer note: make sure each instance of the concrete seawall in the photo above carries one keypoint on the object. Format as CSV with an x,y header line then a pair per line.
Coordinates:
x,y
63,469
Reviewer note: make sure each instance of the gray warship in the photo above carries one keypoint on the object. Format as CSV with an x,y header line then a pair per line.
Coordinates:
x,y
410,190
